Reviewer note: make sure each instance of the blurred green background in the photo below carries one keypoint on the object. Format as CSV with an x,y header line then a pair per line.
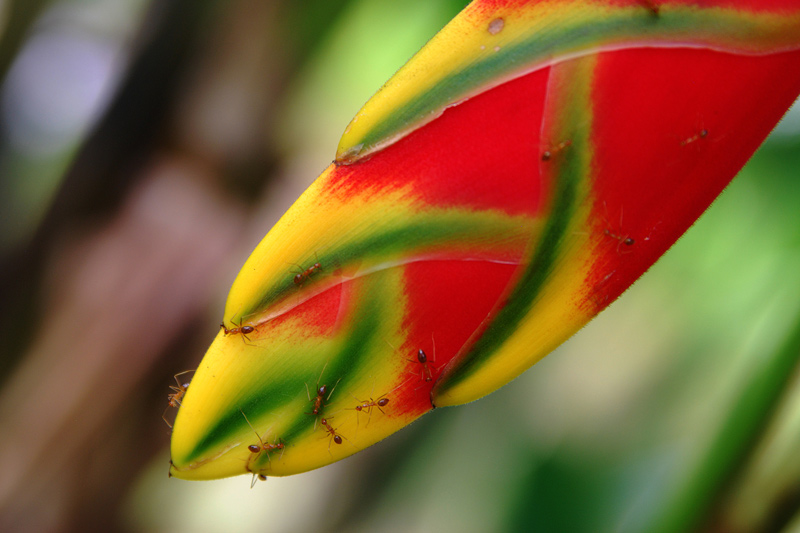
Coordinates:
x,y
146,146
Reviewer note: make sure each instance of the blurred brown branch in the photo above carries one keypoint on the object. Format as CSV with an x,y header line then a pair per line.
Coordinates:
x,y
145,234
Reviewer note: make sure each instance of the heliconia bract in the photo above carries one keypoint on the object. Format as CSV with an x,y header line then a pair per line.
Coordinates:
x,y
506,185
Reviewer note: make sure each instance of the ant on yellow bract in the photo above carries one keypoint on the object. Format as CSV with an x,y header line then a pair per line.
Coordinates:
x,y
238,329
174,399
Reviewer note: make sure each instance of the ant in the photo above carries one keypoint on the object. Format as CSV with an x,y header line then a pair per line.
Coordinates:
x,y
548,154
422,358
702,134
368,406
320,399
257,449
627,240
176,397
244,330
262,446
301,277
335,437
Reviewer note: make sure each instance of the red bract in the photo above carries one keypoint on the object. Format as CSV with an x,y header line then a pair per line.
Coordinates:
x,y
513,179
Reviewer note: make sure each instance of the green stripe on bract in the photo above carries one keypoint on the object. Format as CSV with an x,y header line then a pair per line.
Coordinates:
x,y
436,232
344,367
715,28
233,423
570,180
275,396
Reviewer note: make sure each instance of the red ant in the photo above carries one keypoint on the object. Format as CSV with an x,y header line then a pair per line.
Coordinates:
x,y
257,449
301,278
335,437
627,240
320,399
244,330
368,406
321,391
548,154
702,134
176,397
422,359
261,446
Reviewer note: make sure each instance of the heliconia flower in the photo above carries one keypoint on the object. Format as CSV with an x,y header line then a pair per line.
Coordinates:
x,y
505,186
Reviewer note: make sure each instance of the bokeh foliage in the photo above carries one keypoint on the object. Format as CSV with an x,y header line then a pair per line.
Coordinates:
x,y
662,412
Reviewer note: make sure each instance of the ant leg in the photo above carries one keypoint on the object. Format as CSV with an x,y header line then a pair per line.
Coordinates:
x,y
164,416
333,389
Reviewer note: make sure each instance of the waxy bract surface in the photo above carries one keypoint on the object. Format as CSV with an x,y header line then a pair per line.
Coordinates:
x,y
511,181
